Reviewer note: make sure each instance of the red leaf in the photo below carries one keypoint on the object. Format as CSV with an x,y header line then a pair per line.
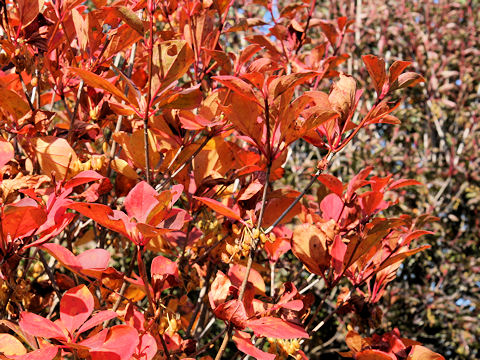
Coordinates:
x,y
39,326
18,220
244,344
237,85
83,178
6,152
276,249
396,69
120,344
277,328
372,355
76,307
332,183
401,256
140,201
29,9
407,79
219,290
102,214
97,319
332,207
403,182
233,312
47,353
338,254
416,234
164,273
90,262
376,69
372,201
219,208
295,305
237,274
147,348
163,266
357,182
93,261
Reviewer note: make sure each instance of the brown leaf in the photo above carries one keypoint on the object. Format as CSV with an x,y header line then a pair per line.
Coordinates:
x,y
376,69
310,244
342,96
29,9
130,18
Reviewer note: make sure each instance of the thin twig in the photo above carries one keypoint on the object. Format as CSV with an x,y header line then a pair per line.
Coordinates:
x,y
124,285
50,275
149,99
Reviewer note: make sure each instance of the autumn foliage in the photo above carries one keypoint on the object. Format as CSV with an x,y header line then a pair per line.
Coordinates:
x,y
144,209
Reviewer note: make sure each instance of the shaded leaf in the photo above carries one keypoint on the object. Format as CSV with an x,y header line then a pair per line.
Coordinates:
x,y
237,273
402,256
219,208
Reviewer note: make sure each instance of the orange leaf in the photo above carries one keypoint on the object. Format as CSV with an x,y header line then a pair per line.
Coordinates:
x,y
13,103
237,274
10,345
244,344
402,256
342,96
422,353
407,79
403,182
309,244
99,82
55,154
238,85
219,208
